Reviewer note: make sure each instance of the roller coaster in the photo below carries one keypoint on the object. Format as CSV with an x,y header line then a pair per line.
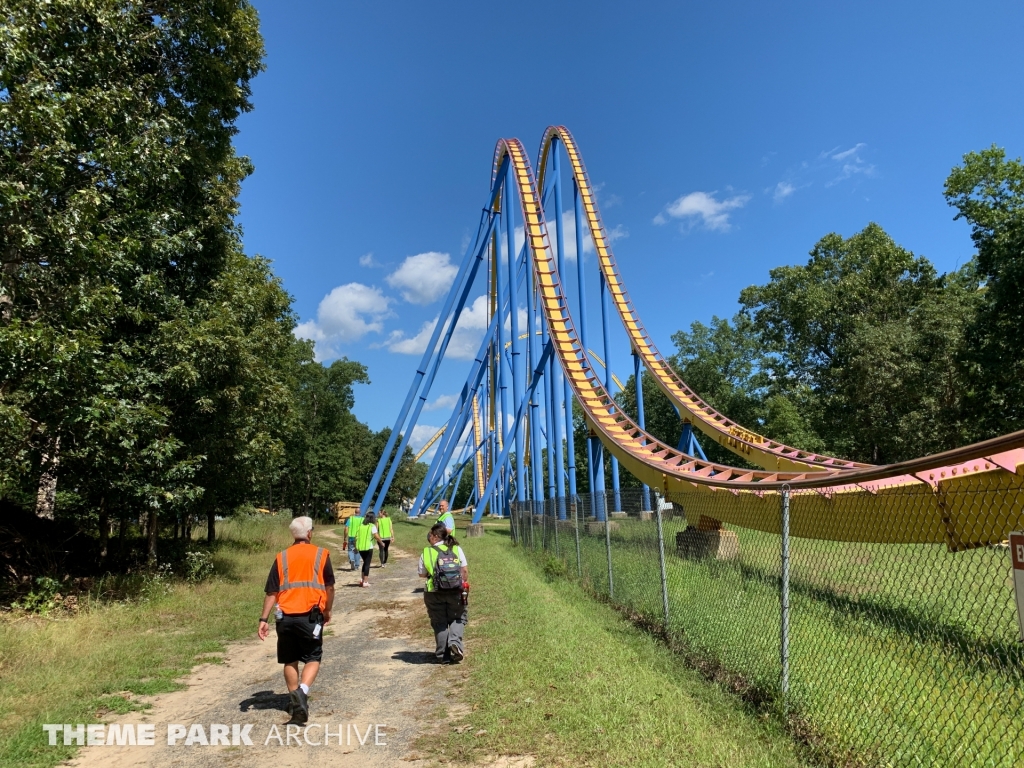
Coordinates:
x,y
526,455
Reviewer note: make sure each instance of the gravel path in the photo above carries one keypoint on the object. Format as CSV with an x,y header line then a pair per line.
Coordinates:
x,y
375,672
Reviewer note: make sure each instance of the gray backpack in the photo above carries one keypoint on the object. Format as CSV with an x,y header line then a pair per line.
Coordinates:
x,y
447,570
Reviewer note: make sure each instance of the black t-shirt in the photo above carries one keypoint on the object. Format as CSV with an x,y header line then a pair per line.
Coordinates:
x,y
274,583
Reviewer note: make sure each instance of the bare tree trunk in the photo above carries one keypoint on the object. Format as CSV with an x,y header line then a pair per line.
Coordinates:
x,y
211,525
122,531
104,529
151,524
47,493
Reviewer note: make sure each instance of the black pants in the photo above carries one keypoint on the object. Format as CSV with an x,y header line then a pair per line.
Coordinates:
x,y
367,556
383,547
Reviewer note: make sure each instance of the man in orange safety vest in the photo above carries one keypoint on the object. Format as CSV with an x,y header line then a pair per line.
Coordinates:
x,y
301,583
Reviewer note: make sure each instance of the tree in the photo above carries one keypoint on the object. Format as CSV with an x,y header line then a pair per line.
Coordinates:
x,y
319,451
864,341
228,383
988,192
118,187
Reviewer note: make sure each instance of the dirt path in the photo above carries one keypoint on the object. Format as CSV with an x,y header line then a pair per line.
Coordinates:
x,y
375,672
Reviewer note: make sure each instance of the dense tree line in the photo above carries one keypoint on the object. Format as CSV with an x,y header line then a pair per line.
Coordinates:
x,y
149,376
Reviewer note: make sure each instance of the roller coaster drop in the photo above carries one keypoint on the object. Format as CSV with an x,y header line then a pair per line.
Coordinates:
x,y
549,364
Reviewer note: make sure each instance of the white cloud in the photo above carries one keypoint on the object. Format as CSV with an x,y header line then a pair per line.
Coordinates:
x,y
848,152
424,278
443,402
421,433
465,341
713,213
346,314
367,260
851,163
617,232
782,190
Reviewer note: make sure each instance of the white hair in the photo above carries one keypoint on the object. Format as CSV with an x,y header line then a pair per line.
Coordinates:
x,y
300,527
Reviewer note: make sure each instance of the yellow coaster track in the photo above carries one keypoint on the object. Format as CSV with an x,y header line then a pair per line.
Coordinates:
x,y
481,481
766,453
932,509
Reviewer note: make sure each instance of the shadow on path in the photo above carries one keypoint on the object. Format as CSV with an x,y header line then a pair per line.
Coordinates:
x,y
264,700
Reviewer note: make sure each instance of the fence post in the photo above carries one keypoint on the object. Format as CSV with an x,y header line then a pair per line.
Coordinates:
x,y
576,528
784,599
661,557
608,545
554,522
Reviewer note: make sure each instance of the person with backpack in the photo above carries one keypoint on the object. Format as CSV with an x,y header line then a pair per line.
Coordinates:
x,y
443,565
365,536
387,535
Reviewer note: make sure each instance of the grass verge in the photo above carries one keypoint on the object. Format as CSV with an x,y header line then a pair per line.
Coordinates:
x,y
74,670
556,675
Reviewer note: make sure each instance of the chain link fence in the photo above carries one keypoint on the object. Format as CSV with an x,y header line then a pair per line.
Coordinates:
x,y
874,654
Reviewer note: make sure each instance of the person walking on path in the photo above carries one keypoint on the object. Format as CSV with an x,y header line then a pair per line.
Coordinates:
x,y
387,535
445,517
443,564
351,525
301,583
366,534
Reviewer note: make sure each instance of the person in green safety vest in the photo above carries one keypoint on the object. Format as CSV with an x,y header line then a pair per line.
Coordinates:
x,y
349,545
366,534
387,535
445,518
445,597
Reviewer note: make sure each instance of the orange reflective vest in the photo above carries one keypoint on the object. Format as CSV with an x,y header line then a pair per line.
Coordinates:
x,y
300,572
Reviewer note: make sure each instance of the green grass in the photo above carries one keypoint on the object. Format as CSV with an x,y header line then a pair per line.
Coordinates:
x,y
900,654
556,675
68,670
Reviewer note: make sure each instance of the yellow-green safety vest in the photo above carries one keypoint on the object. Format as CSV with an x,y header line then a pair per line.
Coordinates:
x,y
430,560
384,527
364,537
352,525
446,515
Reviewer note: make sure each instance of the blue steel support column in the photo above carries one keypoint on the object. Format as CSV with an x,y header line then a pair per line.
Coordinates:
x,y
460,414
638,372
502,384
538,372
536,454
429,381
608,383
602,492
551,419
513,309
468,264
577,206
560,387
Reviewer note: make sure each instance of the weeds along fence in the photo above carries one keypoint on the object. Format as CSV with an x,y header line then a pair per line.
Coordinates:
x,y
874,654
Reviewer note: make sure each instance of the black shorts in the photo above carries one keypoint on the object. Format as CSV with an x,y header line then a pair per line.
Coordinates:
x,y
295,641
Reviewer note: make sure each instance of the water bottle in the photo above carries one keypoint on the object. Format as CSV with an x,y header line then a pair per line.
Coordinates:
x,y
465,593
278,613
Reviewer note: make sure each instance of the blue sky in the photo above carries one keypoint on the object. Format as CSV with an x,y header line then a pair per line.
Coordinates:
x,y
725,139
